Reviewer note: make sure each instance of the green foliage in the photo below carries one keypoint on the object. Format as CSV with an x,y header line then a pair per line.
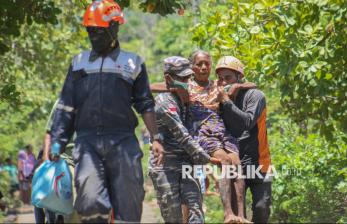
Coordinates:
x,y
155,38
4,188
295,46
35,68
15,13
214,209
162,7
30,29
7,200
312,176
4,183
172,37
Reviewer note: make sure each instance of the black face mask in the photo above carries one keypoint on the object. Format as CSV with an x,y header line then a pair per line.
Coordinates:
x,y
103,39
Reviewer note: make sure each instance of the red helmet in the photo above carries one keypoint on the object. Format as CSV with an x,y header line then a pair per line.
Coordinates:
x,y
101,12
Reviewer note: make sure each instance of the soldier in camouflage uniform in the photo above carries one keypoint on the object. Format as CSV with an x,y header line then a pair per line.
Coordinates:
x,y
180,149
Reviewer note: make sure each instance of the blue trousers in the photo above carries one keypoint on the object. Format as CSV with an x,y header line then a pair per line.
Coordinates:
x,y
41,215
108,174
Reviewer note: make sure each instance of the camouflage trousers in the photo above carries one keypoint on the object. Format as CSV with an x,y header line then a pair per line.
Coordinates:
x,y
173,191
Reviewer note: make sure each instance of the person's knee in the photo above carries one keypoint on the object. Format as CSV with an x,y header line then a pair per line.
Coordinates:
x,y
96,219
261,207
171,212
168,200
261,212
228,161
223,156
125,198
191,196
234,158
92,209
92,201
195,213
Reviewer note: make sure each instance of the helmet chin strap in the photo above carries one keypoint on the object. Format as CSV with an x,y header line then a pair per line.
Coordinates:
x,y
114,39
113,44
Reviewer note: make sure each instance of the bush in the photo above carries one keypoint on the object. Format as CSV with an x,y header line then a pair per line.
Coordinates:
x,y
4,183
312,181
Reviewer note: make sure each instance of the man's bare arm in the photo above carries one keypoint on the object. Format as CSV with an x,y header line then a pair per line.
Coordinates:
x,y
149,120
158,150
47,146
159,87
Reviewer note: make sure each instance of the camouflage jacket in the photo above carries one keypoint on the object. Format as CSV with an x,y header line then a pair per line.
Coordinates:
x,y
173,123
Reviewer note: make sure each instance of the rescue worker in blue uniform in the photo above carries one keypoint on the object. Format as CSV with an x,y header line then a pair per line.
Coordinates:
x,y
101,87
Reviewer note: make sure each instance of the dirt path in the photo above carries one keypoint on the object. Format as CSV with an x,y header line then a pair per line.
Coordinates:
x,y
26,218
148,216
24,214
150,212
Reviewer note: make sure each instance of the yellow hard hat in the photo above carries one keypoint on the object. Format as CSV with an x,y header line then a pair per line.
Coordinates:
x,y
230,62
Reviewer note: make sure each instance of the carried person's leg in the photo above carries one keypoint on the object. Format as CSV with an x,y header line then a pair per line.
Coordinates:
x,y
125,178
261,196
238,201
92,200
225,187
212,138
167,187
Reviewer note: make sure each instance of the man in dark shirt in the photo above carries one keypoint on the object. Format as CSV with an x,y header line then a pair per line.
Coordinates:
x,y
244,114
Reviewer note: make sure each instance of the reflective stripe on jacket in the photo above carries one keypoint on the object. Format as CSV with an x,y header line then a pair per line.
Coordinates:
x,y
99,93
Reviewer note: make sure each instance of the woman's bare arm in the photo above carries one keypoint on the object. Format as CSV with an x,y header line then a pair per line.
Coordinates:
x,y
247,85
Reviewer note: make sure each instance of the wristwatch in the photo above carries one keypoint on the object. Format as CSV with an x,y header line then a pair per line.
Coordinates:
x,y
157,137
